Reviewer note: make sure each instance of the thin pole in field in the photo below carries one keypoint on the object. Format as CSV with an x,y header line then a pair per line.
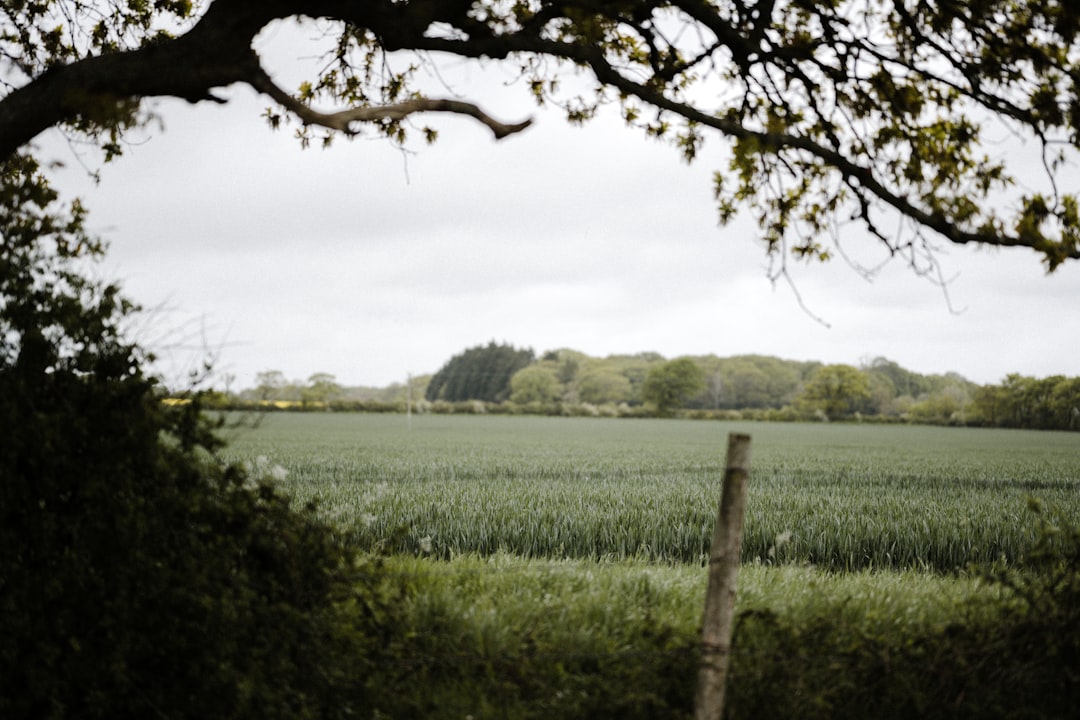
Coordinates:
x,y
719,619
408,402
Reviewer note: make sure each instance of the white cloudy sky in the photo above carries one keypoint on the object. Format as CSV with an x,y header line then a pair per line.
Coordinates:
x,y
370,264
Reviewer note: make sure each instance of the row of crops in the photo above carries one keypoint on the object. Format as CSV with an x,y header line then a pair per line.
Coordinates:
x,y
839,497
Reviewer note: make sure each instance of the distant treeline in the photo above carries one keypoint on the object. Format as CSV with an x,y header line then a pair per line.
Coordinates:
x,y
499,378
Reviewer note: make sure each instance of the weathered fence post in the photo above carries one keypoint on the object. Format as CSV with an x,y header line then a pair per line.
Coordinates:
x,y
723,571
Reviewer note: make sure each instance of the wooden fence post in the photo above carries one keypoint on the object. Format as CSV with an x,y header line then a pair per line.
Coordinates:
x,y
723,570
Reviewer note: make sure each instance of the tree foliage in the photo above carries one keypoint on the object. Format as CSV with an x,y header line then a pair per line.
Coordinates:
x,y
833,111
535,384
901,380
750,381
321,389
1051,403
479,373
604,386
668,385
761,387
269,384
140,576
836,391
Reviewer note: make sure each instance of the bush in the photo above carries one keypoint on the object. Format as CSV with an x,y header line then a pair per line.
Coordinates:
x,y
140,576
1015,656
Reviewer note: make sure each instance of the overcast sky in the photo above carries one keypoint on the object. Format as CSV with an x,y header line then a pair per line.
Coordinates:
x,y
370,263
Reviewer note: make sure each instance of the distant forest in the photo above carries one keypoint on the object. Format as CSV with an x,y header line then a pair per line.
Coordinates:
x,y
499,378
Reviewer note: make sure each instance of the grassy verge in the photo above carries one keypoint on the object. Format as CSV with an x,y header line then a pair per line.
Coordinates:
x,y
503,637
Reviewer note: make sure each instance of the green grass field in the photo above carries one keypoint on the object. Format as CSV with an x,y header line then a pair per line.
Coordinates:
x,y
553,567
840,497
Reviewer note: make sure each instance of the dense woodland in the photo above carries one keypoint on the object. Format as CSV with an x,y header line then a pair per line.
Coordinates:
x,y
501,378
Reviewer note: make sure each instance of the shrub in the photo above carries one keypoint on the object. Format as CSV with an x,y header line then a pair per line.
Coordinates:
x,y
140,576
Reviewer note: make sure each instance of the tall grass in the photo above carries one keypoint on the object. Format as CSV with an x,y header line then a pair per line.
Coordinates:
x,y
840,497
503,637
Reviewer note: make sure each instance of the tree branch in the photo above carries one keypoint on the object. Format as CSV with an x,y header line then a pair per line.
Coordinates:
x,y
850,170
769,49
342,121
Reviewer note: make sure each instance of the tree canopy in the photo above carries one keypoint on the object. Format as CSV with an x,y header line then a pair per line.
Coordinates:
x,y
669,384
875,113
479,373
836,391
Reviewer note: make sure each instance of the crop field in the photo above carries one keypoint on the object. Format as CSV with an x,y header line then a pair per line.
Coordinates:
x,y
839,497
553,567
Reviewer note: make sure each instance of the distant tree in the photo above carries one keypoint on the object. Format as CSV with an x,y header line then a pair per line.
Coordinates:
x,y
714,389
1051,403
1065,404
882,394
835,390
1029,402
670,384
569,365
903,381
1019,400
1043,401
535,384
479,373
321,389
634,368
946,406
747,381
603,386
988,405
269,384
